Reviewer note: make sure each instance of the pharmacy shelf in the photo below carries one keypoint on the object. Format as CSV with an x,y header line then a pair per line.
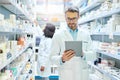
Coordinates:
x,y
13,7
102,15
14,32
103,72
29,76
23,66
5,1
109,54
104,37
94,76
13,58
10,33
91,6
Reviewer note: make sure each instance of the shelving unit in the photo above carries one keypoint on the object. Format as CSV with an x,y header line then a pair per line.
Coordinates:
x,y
109,54
22,67
101,36
14,32
28,74
92,77
14,8
13,58
29,77
102,15
10,33
103,72
91,6
105,37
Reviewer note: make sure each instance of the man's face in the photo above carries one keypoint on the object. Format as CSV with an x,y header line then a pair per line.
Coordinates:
x,y
71,19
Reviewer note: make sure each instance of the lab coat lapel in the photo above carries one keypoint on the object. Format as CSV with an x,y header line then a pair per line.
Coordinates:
x,y
79,35
68,35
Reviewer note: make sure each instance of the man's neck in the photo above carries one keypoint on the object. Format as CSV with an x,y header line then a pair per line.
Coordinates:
x,y
72,28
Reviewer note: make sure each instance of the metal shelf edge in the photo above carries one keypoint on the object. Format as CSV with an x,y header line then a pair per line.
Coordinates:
x,y
102,71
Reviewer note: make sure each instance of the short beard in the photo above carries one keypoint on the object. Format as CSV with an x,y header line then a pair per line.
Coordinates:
x,y
73,27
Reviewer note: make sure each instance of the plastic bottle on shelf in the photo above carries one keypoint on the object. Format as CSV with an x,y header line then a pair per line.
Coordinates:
x,y
1,56
90,1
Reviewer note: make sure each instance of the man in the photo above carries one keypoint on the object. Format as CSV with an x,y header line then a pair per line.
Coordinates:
x,y
70,66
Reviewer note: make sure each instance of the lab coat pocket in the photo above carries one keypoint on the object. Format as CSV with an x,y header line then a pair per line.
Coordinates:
x,y
68,75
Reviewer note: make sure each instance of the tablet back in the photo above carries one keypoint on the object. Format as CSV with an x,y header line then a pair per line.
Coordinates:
x,y
74,45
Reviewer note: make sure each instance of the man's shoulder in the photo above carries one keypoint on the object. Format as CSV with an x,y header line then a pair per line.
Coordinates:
x,y
58,34
84,31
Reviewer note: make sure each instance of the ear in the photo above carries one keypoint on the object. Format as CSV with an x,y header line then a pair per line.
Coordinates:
x,y
65,18
78,15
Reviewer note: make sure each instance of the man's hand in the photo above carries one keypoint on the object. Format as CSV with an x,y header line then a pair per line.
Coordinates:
x,y
42,68
67,55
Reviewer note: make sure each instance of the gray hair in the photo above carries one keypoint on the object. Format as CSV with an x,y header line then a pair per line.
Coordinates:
x,y
72,9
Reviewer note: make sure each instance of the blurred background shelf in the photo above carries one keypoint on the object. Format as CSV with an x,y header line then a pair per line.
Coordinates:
x,y
102,15
103,72
104,37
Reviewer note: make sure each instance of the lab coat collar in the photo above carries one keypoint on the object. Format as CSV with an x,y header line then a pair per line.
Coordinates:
x,y
66,28
69,36
70,30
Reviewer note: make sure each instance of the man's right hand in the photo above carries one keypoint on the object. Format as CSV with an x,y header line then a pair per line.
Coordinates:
x,y
67,55
42,68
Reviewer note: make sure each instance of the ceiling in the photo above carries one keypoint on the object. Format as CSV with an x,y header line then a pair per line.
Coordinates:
x,y
51,9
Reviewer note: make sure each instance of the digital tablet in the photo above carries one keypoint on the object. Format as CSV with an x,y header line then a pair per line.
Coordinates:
x,y
74,45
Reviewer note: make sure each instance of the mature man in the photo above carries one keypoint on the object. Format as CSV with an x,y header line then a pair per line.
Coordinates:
x,y
70,66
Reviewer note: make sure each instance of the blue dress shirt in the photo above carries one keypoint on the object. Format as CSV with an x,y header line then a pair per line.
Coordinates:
x,y
73,33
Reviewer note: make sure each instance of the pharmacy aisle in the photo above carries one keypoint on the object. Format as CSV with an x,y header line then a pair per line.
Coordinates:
x,y
22,26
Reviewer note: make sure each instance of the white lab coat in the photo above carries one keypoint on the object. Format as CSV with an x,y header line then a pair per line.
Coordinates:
x,y
43,56
76,68
38,33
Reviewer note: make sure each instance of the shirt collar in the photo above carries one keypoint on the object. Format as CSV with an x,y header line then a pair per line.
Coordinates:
x,y
70,30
